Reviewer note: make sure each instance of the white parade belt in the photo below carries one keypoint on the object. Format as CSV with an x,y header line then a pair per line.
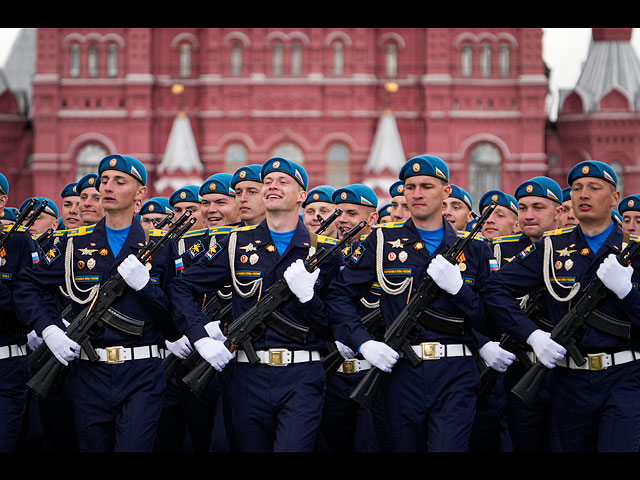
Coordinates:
x,y
278,357
123,354
10,351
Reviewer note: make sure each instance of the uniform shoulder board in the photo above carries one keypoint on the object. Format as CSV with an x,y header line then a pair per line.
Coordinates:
x,y
634,238
228,229
389,225
465,234
559,231
59,233
196,233
154,232
21,228
80,231
507,238
328,240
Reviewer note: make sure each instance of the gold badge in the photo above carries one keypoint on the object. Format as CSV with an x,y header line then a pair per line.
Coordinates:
x,y
91,180
584,251
395,243
400,188
91,263
316,196
103,252
151,207
2,261
462,266
80,264
558,265
212,186
248,248
148,265
74,189
419,246
244,259
391,256
565,252
568,264
183,195
92,244
271,248
113,162
529,188
585,169
416,167
494,198
253,259
343,195
630,203
242,174
402,256
87,251
276,164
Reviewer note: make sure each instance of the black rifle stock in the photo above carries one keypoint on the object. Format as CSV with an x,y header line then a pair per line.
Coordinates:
x,y
5,235
398,333
324,224
262,315
568,329
165,221
91,320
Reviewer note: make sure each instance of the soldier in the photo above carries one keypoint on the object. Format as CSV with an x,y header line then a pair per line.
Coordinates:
x,y
153,211
9,215
283,413
319,202
399,210
629,208
504,219
595,404
218,205
384,214
356,209
568,218
46,220
70,217
247,185
457,208
18,254
125,386
429,407
91,208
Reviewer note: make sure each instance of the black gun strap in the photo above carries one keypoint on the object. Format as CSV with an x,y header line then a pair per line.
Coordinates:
x,y
441,322
608,324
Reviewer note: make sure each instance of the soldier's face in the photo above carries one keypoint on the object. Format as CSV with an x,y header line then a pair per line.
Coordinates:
x,y
148,220
352,214
196,212
324,209
537,215
593,199
399,209
91,209
249,202
43,223
120,192
631,222
456,212
281,193
218,209
502,221
71,212
424,195
567,217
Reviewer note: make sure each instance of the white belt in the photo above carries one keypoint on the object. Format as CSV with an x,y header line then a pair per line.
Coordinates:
x,y
122,354
435,350
531,356
163,352
10,351
278,357
354,366
601,361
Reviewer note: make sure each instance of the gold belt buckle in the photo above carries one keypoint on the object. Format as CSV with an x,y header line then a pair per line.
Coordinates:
x,y
113,354
429,350
595,361
276,357
349,367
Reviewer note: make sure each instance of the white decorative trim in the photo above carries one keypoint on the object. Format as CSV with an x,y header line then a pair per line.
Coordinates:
x,y
184,37
139,78
92,82
88,138
77,37
485,114
230,37
437,78
526,167
45,78
286,38
488,138
393,37
338,35
92,113
533,79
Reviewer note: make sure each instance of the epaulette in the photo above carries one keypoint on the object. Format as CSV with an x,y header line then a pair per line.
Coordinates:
x,y
329,240
558,231
223,229
21,228
196,233
465,234
635,238
59,233
507,238
363,237
155,232
389,225
79,231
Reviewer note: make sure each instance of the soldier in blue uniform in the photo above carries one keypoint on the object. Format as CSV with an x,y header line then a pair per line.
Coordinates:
x,y
629,208
9,215
247,185
399,210
457,208
218,200
430,407
70,212
117,400
91,208
504,219
46,220
153,211
595,405
568,218
277,403
18,254
319,201
384,213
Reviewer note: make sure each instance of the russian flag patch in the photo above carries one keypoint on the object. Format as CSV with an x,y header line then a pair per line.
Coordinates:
x,y
493,265
34,257
179,265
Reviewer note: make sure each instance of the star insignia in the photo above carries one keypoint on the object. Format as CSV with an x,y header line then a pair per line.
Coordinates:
x,y
87,251
395,243
565,252
248,248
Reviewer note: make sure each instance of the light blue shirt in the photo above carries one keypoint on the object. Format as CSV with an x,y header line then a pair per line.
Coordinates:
x,y
596,241
431,238
116,238
281,239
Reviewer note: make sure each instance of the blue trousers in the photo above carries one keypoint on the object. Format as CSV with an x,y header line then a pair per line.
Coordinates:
x,y
490,432
277,408
431,407
14,374
117,407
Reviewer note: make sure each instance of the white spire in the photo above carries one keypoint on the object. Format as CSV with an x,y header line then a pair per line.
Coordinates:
x,y
386,152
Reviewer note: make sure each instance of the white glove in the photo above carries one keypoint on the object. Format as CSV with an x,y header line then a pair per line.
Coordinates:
x,y
213,330
496,357
214,352
548,352
33,340
64,349
181,348
300,281
446,275
379,354
345,351
615,277
134,272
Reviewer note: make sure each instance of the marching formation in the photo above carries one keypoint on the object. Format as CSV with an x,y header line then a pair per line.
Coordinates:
x,y
253,313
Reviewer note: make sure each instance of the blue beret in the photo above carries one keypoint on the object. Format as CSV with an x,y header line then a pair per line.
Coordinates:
x,y
278,164
629,203
248,172
396,189
593,168
500,198
4,185
189,193
9,213
156,205
89,180
425,165
616,217
461,194
539,187
357,193
218,183
322,193
124,163
384,211
51,208
70,190
566,194
60,224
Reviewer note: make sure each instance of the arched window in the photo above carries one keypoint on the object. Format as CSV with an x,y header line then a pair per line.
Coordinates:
x,y
338,165
485,170
337,60
485,60
619,169
277,58
112,60
466,60
92,63
296,58
88,158
185,60
74,60
504,59
236,58
235,157
290,152
391,59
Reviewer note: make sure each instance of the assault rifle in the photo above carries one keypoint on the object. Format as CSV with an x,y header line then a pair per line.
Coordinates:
x,y
324,224
262,315
92,319
414,314
6,235
572,326
165,221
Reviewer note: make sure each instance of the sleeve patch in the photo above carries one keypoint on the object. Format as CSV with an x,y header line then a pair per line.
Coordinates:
x,y
52,255
357,254
213,252
527,251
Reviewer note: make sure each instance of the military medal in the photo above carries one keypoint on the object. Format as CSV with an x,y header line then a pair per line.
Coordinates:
x,y
103,252
2,261
402,256
584,251
253,259
248,248
243,259
419,246
395,243
92,244
392,256
271,248
91,263
558,265
87,251
80,264
568,264
565,252
462,266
